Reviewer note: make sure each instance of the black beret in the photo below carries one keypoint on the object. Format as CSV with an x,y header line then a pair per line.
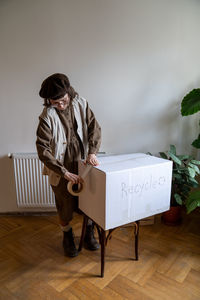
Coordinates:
x,y
54,86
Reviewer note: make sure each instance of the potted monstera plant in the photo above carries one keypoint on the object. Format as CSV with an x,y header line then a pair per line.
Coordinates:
x,y
185,171
190,105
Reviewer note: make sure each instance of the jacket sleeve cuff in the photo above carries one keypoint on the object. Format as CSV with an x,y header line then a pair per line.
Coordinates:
x,y
92,151
63,171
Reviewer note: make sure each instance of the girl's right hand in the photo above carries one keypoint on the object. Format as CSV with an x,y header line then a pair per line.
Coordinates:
x,y
73,177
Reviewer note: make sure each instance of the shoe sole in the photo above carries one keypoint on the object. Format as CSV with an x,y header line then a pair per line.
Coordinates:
x,y
70,255
91,249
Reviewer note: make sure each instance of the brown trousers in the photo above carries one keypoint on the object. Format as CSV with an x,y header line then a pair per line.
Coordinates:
x,y
66,204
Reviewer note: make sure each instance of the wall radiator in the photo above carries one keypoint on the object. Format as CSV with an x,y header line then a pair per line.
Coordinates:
x,y
32,188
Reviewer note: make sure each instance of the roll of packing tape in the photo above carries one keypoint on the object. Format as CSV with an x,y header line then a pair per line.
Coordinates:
x,y
80,185
77,192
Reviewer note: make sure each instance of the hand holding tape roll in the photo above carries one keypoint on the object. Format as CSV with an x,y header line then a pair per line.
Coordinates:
x,y
80,185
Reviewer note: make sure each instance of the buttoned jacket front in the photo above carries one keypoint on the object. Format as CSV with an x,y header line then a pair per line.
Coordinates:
x,y
59,141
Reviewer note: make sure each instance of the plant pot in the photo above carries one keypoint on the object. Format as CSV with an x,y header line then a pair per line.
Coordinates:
x,y
172,217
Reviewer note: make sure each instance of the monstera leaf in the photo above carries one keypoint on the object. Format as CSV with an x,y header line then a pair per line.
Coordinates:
x,y
196,143
191,103
193,201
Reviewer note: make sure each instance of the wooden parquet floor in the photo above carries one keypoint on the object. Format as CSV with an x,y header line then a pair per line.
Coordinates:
x,y
32,265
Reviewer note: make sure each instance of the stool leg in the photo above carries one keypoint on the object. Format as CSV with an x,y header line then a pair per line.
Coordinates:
x,y
103,243
85,221
136,239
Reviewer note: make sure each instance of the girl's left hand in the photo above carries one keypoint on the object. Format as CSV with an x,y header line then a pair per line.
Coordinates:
x,y
92,160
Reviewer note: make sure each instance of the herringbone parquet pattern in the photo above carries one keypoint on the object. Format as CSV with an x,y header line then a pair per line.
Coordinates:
x,y
32,265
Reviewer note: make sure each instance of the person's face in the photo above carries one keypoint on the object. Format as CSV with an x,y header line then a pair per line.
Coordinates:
x,y
62,103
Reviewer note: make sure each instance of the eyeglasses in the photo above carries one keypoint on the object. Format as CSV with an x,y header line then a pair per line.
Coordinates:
x,y
55,103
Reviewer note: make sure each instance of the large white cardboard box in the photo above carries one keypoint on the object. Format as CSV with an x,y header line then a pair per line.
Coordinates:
x,y
125,188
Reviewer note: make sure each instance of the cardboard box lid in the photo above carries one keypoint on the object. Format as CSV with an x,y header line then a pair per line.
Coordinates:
x,y
115,163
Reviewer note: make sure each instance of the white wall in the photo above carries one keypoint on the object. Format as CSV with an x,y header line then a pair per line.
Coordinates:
x,y
133,60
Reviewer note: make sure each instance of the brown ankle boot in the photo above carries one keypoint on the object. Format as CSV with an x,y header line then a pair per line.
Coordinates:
x,y
68,244
90,242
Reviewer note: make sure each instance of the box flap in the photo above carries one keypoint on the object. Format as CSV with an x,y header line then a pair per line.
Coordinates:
x,y
115,163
